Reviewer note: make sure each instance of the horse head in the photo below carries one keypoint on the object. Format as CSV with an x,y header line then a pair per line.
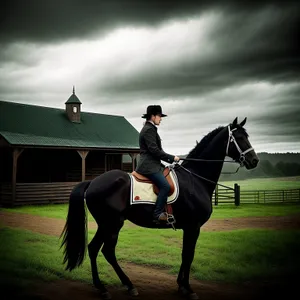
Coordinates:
x,y
238,145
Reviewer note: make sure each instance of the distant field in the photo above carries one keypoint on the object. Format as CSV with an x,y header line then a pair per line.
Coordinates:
x,y
280,183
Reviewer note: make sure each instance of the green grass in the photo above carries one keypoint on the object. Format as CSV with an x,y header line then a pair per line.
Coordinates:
x,y
25,256
219,212
236,256
254,210
280,183
58,211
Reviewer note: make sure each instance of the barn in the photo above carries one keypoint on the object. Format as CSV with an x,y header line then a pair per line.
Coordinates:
x,y
45,151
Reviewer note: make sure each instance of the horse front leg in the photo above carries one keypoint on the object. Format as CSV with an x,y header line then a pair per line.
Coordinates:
x,y
190,236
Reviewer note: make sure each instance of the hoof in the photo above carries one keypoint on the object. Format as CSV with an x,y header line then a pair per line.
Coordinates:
x,y
133,292
193,296
105,295
187,294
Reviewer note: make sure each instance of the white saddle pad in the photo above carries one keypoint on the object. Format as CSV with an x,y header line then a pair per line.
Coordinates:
x,y
142,193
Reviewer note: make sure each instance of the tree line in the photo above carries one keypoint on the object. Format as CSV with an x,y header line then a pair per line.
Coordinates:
x,y
270,165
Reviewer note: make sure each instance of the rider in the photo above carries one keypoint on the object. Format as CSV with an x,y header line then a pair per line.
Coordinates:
x,y
151,154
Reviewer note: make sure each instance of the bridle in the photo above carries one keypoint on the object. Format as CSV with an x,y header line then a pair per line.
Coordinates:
x,y
231,139
240,160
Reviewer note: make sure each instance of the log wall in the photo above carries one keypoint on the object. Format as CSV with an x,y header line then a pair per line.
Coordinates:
x,y
5,194
43,193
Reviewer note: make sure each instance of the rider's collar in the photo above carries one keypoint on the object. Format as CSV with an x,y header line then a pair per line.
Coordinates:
x,y
151,122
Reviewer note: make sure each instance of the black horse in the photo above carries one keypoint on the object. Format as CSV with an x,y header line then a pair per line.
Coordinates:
x,y
107,198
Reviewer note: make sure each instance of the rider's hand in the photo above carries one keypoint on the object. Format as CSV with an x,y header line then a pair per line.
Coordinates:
x,y
176,158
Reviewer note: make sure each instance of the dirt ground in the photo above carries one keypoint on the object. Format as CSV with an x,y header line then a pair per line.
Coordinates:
x,y
155,283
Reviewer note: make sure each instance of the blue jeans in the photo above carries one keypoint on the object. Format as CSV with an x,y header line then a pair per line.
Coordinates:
x,y
164,188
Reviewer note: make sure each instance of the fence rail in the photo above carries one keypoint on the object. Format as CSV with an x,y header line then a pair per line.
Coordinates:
x,y
235,196
271,196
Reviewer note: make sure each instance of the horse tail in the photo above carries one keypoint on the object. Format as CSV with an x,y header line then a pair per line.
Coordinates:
x,y
75,230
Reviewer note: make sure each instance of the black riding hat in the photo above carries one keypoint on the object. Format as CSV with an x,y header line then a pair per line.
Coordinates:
x,y
153,110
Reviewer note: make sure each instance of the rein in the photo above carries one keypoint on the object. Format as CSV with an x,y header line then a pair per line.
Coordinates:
x,y
209,160
201,177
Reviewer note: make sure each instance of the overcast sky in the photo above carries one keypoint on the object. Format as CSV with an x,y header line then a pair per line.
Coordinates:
x,y
205,64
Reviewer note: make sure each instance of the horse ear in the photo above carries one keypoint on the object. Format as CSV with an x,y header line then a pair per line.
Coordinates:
x,y
243,122
197,142
234,123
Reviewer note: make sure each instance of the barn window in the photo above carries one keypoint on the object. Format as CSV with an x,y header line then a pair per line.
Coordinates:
x,y
74,109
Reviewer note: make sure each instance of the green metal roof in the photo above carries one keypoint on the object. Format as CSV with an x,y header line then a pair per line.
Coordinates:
x,y
22,124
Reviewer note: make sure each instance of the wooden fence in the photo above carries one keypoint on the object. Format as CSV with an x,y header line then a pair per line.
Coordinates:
x,y
271,196
227,194
43,193
235,196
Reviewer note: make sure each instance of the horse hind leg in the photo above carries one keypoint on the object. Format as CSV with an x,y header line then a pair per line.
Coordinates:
x,y
109,252
93,250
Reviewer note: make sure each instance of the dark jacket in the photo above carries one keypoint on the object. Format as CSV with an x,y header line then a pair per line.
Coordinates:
x,y
151,152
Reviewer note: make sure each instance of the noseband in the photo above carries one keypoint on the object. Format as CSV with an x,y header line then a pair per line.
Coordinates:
x,y
231,138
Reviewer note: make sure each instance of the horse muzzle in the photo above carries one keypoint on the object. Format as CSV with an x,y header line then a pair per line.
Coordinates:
x,y
251,162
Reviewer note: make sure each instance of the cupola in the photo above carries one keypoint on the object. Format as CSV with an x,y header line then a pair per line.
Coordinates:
x,y
73,108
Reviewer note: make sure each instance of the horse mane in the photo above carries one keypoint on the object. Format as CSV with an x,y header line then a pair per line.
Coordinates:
x,y
198,149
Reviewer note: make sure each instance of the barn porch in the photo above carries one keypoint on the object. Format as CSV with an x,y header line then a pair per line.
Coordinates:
x,y
40,175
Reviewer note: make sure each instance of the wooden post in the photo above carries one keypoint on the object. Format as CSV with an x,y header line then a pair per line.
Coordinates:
x,y
133,158
237,199
216,195
16,153
83,154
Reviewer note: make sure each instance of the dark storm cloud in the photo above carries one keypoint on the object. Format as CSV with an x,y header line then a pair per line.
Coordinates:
x,y
283,114
37,20
251,41
249,46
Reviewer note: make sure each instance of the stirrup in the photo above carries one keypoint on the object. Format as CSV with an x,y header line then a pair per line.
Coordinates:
x,y
170,219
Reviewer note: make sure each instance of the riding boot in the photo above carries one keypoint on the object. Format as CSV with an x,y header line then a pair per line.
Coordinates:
x,y
160,215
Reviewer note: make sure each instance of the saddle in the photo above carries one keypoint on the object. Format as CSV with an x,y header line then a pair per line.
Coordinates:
x,y
166,172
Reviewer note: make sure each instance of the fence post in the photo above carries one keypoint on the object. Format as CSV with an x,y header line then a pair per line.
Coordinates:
x,y
216,195
237,199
